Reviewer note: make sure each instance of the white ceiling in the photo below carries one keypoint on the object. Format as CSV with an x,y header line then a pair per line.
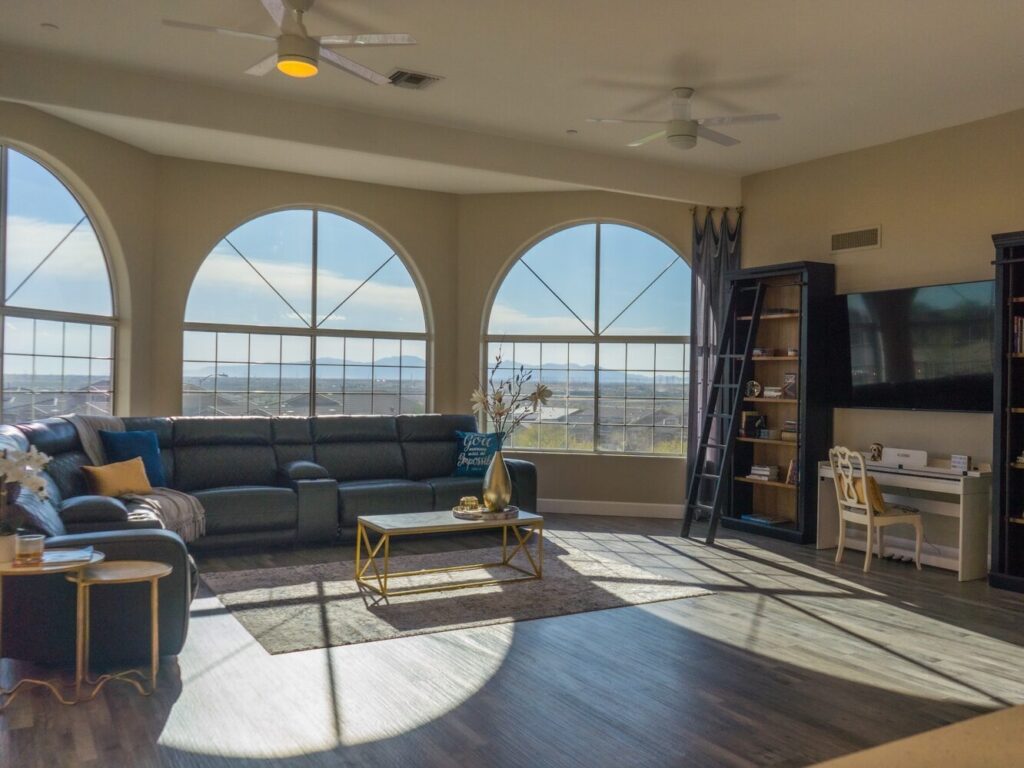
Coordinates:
x,y
843,74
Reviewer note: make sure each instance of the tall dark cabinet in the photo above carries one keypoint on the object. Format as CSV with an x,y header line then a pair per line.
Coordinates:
x,y
1007,568
794,338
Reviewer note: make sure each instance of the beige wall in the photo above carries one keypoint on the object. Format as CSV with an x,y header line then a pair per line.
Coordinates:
x,y
115,184
493,230
938,198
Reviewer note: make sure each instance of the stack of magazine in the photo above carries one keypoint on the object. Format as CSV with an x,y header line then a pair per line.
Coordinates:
x,y
55,556
764,472
789,430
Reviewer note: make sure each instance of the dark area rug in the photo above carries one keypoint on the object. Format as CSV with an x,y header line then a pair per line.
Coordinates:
x,y
297,608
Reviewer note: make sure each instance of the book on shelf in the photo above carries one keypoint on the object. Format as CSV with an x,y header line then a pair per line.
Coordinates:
x,y
791,472
771,393
789,435
791,425
763,472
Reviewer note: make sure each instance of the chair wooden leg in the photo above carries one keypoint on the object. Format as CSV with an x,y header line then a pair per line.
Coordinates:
x,y
919,531
869,545
842,541
881,543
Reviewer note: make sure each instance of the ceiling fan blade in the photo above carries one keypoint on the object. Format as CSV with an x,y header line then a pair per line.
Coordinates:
x,y
616,121
646,139
737,119
218,30
276,10
352,67
394,38
263,66
716,137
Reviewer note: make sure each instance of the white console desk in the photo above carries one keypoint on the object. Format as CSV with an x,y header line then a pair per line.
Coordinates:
x,y
958,543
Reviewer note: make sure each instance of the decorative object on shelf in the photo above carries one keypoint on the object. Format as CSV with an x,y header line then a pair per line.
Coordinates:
x,y
20,469
789,385
753,389
960,462
762,352
750,423
506,406
876,451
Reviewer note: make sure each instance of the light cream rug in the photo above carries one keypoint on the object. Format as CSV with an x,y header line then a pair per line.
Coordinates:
x,y
296,608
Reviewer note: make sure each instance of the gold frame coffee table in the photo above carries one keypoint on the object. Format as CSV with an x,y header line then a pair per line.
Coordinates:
x,y
524,526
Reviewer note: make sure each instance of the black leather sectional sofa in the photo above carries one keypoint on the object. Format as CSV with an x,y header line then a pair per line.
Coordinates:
x,y
263,481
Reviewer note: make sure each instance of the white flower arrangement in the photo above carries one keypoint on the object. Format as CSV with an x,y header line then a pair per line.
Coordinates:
x,y
504,402
23,468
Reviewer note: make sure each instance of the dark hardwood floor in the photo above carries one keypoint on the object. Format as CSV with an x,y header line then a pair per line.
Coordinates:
x,y
792,660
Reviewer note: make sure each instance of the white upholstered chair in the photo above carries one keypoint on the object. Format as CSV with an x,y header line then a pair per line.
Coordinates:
x,y
860,502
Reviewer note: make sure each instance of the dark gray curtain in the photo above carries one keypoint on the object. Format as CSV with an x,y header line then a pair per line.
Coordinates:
x,y
715,251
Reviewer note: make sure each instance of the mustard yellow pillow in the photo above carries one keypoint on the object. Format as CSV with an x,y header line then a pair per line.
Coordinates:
x,y
119,479
874,493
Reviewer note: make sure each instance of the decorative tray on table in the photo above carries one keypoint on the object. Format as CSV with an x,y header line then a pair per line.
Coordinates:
x,y
470,508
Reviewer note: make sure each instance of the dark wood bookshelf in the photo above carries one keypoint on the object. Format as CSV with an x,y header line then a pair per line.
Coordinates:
x,y
808,289
1007,568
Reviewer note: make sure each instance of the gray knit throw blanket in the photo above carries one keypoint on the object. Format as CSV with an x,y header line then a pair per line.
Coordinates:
x,y
176,511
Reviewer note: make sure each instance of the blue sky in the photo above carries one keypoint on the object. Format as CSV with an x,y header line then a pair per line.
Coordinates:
x,y
566,262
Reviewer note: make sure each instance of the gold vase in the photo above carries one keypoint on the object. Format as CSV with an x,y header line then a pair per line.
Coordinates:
x,y
497,484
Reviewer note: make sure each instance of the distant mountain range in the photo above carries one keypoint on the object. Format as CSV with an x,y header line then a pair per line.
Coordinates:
x,y
414,369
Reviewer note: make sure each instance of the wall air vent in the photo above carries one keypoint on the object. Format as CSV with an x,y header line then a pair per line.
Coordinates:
x,y
417,81
857,240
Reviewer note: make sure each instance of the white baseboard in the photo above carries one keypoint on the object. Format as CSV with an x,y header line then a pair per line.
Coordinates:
x,y
610,508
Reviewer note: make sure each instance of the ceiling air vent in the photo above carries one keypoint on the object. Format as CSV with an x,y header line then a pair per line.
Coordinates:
x,y
856,240
417,81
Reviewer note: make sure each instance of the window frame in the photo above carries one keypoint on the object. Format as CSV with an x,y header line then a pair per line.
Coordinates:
x,y
595,338
314,331
28,313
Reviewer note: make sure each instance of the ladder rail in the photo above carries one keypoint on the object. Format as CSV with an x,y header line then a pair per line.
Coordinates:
x,y
731,369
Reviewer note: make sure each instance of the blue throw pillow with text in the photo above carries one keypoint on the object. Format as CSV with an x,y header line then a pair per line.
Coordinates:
x,y
475,452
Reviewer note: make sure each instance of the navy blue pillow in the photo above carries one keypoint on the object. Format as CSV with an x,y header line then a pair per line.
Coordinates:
x,y
144,444
475,452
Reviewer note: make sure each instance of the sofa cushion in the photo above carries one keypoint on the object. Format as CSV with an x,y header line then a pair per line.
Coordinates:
x,y
476,449
118,479
248,508
293,438
37,515
382,497
92,509
221,452
449,490
358,447
428,442
141,443
163,426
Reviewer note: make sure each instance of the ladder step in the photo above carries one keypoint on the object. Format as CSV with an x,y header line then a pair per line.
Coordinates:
x,y
721,415
708,474
701,506
732,356
714,445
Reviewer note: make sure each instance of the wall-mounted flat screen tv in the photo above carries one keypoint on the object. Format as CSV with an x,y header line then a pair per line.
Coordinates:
x,y
924,348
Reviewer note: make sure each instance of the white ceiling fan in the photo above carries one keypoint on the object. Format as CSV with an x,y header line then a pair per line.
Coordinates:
x,y
298,54
682,130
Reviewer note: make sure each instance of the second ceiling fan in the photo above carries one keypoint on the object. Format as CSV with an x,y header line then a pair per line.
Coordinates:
x,y
298,54
682,130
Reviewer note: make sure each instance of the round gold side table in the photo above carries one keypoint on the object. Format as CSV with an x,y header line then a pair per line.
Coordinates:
x,y
39,569
117,572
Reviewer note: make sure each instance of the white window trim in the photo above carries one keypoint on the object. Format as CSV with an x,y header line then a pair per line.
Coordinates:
x,y
596,338
29,313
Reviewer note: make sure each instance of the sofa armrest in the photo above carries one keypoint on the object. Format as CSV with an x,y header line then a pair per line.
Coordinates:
x,y
39,612
294,471
318,510
524,483
93,509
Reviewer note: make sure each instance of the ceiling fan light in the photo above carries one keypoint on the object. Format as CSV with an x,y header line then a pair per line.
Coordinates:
x,y
682,134
296,66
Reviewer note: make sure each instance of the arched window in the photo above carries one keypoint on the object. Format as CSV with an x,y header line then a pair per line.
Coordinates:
x,y
57,304
304,312
601,313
